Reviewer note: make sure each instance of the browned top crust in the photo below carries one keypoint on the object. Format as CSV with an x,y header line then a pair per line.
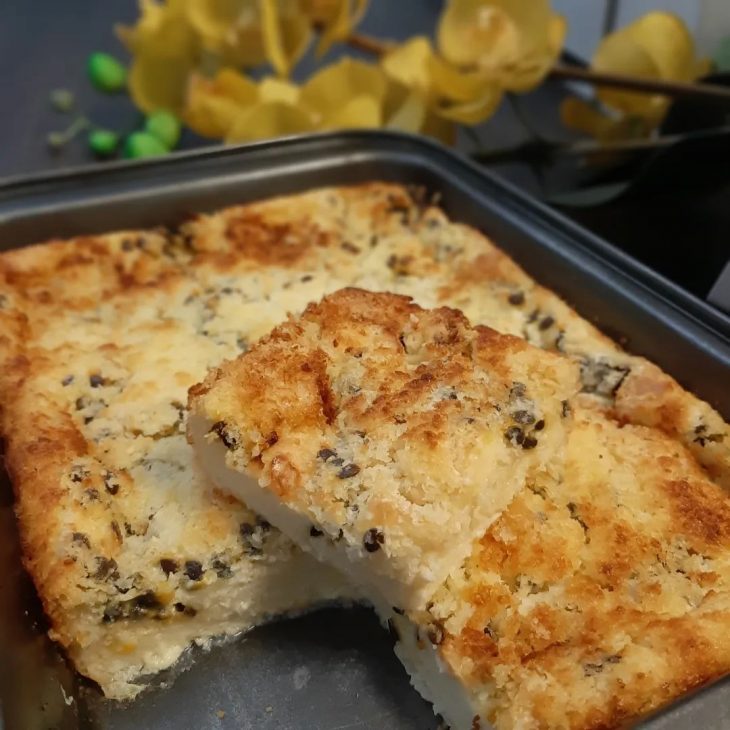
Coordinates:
x,y
376,236
151,310
370,416
596,600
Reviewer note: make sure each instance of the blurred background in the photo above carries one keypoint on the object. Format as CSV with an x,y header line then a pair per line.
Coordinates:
x,y
668,207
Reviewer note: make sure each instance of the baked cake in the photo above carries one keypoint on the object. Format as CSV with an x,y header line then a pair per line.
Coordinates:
x,y
100,338
382,437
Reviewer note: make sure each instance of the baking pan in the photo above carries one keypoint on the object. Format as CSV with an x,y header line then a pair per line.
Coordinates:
x,y
332,669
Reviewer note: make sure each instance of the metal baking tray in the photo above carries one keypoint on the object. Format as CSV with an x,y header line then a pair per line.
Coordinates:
x,y
333,669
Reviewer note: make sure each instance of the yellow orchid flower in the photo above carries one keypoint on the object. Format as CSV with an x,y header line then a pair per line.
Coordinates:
x,y
336,18
657,46
165,51
468,97
511,42
286,32
286,27
214,105
229,29
347,94
174,38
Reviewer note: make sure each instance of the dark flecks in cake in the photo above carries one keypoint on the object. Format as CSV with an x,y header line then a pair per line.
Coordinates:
x,y
517,390
348,471
436,633
194,570
523,417
185,610
326,454
373,539
702,437
78,473
575,515
601,378
106,568
546,323
81,538
490,632
228,439
221,568
169,566
349,247
515,435
253,536
111,483
591,669
117,531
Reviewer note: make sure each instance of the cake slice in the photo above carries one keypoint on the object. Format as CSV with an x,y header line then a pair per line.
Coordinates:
x,y
383,437
590,602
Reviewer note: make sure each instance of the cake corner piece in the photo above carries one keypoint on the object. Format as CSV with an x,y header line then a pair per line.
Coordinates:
x,y
576,603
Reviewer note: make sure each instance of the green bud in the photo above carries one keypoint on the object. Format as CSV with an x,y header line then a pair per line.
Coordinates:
x,y
103,142
143,144
106,73
62,100
56,140
164,126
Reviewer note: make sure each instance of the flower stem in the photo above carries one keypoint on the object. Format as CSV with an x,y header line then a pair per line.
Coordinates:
x,y
369,44
56,140
674,89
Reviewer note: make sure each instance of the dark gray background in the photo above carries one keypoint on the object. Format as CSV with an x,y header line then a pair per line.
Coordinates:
x,y
44,45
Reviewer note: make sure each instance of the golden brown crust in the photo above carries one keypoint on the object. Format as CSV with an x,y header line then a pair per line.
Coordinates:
x,y
583,596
